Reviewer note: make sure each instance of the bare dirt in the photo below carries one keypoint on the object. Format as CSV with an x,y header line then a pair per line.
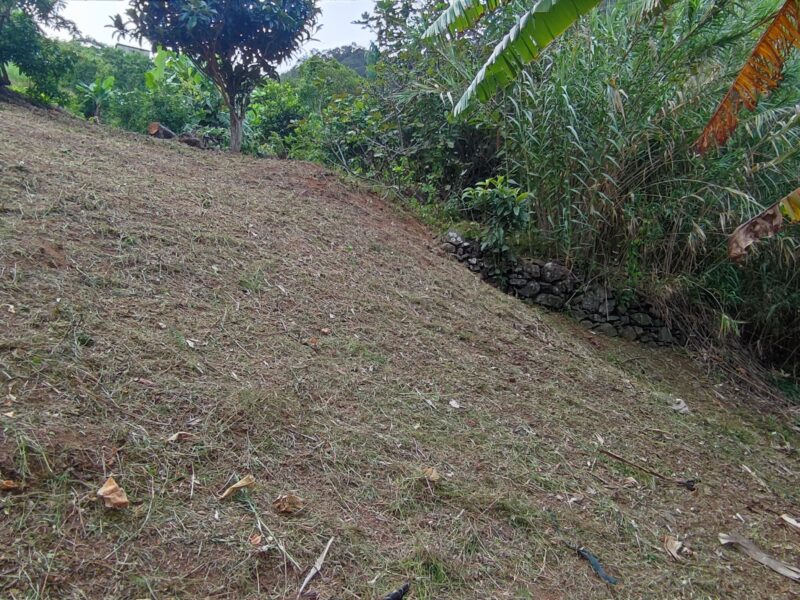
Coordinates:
x,y
308,333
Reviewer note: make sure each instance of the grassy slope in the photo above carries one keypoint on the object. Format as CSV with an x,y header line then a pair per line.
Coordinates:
x,y
118,254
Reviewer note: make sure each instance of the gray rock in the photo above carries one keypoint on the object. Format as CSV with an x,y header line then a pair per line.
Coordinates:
x,y
607,306
553,272
517,281
577,314
665,335
624,320
588,324
530,290
473,261
454,238
532,271
647,337
550,301
622,309
449,248
607,329
629,333
642,319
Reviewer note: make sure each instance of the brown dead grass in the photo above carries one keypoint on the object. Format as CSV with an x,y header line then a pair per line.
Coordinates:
x,y
119,253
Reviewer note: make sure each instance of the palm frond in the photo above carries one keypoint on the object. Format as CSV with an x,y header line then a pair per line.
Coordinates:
x,y
462,15
533,32
761,74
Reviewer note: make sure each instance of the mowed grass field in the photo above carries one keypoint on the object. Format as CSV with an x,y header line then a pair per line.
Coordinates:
x,y
180,319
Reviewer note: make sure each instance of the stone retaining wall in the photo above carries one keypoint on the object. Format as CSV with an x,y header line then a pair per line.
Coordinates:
x,y
554,286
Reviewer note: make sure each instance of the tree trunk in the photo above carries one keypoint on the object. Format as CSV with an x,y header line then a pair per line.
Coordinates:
x,y
236,132
5,80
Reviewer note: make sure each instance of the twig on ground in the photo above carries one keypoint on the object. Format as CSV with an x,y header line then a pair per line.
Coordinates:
x,y
316,568
689,484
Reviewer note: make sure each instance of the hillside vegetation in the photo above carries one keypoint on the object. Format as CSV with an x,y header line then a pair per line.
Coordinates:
x,y
180,319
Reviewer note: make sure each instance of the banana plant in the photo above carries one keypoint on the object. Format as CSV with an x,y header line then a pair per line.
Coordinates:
x,y
96,95
533,32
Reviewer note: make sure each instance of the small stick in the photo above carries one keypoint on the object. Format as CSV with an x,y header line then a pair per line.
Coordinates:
x,y
316,568
689,484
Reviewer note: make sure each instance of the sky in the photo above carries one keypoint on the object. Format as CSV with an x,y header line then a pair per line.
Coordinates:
x,y
92,16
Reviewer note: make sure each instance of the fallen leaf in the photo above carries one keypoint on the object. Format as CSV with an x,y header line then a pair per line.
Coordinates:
x,y
162,325
181,436
256,539
325,331
246,482
630,482
10,414
676,549
758,555
313,343
8,485
431,474
791,522
288,504
454,404
11,309
679,406
113,496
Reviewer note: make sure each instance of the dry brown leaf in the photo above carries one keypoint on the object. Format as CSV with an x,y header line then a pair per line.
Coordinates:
x,y
246,482
113,496
764,225
791,522
762,73
676,549
313,343
325,331
757,554
8,485
256,539
288,504
181,436
431,474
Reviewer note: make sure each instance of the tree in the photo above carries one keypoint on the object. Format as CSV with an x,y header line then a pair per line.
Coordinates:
x,y
23,42
236,43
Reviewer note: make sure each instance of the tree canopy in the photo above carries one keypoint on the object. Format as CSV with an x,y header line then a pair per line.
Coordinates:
x,y
236,43
23,43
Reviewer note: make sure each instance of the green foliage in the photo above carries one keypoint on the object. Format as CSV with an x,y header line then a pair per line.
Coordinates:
x,y
503,208
275,110
535,29
95,96
233,43
41,60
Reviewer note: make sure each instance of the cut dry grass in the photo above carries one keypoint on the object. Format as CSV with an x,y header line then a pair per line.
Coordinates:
x,y
311,335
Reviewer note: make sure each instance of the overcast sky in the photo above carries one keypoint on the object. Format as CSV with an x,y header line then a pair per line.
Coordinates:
x,y
92,16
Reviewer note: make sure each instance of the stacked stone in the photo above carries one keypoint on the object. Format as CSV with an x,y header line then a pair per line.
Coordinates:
x,y
556,287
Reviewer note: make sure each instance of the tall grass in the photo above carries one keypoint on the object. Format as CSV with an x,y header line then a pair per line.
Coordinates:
x,y
600,131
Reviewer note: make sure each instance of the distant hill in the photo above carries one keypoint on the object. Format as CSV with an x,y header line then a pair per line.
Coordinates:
x,y
352,56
